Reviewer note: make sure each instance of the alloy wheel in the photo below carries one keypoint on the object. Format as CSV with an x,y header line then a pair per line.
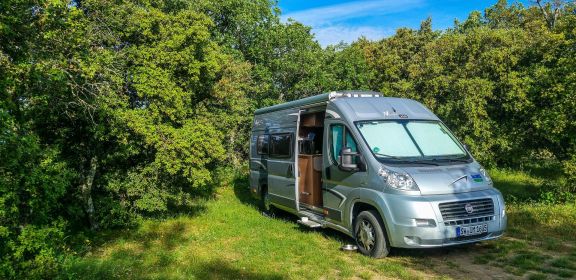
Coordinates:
x,y
366,235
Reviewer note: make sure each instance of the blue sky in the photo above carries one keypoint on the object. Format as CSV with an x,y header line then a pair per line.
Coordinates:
x,y
347,20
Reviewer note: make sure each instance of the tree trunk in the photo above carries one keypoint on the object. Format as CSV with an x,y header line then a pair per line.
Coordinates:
x,y
86,192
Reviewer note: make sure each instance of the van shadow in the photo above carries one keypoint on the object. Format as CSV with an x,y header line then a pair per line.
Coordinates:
x,y
441,252
241,185
242,193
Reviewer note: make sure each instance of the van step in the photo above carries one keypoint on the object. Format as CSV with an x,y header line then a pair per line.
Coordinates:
x,y
309,223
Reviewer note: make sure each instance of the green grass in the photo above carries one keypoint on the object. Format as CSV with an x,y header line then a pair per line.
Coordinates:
x,y
537,276
541,236
516,185
565,262
231,239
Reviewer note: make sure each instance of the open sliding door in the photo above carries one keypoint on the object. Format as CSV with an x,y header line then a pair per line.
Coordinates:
x,y
283,160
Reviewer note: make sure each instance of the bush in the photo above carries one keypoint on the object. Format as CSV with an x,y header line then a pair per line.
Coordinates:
x,y
36,252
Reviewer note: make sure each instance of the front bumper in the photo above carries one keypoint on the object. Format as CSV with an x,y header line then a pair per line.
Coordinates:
x,y
404,232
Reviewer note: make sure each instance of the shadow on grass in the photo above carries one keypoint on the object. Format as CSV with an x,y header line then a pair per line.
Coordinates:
x,y
222,270
514,190
123,264
551,169
438,252
242,192
543,222
156,251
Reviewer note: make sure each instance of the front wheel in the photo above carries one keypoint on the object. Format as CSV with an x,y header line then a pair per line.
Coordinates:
x,y
370,235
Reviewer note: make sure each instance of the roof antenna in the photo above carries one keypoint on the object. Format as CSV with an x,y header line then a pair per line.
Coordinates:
x,y
393,109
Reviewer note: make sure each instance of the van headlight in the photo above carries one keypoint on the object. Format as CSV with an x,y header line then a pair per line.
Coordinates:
x,y
485,175
397,180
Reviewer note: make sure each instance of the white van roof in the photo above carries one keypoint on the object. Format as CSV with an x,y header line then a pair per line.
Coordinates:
x,y
361,105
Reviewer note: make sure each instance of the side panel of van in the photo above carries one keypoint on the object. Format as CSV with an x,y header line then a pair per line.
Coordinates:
x,y
339,183
259,145
281,130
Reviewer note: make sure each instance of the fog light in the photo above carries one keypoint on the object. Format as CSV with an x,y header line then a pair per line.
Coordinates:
x,y
412,240
425,222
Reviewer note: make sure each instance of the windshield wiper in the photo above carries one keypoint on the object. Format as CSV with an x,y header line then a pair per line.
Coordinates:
x,y
465,160
387,156
406,160
422,162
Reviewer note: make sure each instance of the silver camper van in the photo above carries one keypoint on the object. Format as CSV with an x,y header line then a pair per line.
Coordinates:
x,y
385,171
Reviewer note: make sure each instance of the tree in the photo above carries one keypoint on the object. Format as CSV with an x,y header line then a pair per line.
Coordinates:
x,y
551,10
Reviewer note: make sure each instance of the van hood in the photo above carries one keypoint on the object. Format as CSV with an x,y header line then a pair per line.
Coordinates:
x,y
448,179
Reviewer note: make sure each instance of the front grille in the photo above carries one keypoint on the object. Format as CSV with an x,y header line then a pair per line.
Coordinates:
x,y
469,221
456,210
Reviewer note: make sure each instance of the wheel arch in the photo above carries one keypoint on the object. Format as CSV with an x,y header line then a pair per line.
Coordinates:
x,y
358,205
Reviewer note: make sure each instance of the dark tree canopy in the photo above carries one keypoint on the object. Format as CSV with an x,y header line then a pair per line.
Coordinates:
x,y
114,111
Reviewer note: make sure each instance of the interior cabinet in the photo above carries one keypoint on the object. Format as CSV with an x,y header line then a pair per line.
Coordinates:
x,y
310,179
312,120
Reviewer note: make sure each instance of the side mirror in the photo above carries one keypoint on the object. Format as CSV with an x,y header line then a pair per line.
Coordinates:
x,y
347,159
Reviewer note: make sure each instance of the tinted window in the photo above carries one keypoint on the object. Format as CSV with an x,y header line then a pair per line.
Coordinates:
x,y
262,144
338,134
280,145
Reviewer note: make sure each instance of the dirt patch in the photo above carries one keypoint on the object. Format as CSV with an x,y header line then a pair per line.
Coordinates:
x,y
458,262
507,258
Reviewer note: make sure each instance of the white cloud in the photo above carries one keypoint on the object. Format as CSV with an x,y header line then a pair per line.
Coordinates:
x,y
331,35
334,24
340,12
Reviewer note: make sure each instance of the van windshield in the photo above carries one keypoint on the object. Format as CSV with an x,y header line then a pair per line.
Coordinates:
x,y
411,139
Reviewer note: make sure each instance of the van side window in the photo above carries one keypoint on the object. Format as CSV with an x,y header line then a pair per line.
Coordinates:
x,y
262,144
341,138
280,145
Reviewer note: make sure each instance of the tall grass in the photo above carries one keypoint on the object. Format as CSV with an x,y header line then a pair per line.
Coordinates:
x,y
231,239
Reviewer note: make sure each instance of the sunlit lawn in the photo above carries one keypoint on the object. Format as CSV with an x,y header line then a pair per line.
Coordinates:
x,y
232,239
541,238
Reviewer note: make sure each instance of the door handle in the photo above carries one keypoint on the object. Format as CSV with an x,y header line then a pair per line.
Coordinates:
x,y
289,173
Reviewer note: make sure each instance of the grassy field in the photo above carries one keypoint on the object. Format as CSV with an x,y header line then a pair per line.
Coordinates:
x,y
230,238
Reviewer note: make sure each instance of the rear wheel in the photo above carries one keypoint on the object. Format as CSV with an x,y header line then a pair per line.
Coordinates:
x,y
370,234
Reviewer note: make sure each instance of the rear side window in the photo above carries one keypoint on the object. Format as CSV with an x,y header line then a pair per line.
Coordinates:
x,y
280,145
262,144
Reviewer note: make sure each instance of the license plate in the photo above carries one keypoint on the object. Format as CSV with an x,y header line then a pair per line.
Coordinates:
x,y
471,230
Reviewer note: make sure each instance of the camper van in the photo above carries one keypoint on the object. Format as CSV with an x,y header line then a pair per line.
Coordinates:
x,y
385,171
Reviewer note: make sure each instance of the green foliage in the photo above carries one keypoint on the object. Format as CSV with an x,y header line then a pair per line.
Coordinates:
x,y
33,183
114,111
348,66
503,81
38,251
111,121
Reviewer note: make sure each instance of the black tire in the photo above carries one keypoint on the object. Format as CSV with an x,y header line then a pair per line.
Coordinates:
x,y
370,235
